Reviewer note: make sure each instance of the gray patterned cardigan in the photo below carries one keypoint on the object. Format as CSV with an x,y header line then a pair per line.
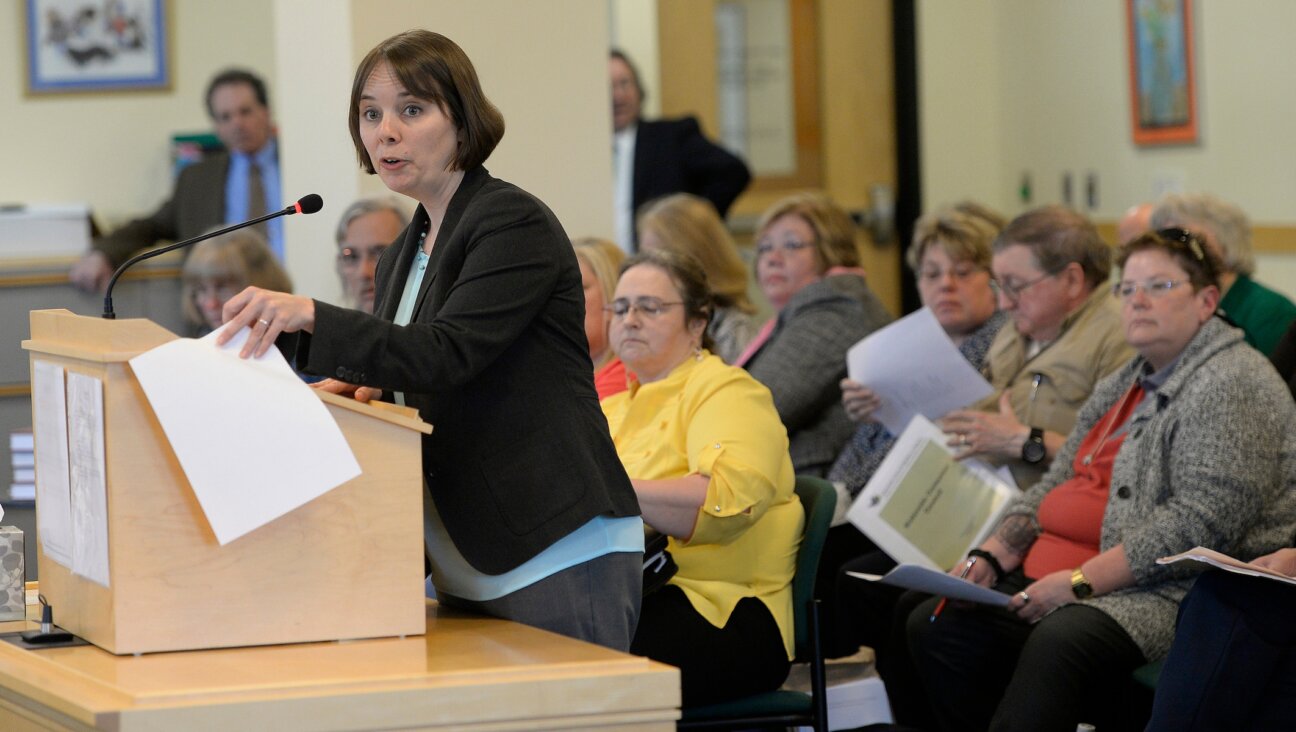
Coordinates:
x,y
804,361
1209,459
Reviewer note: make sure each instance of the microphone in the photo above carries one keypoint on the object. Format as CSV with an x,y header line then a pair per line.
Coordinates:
x,y
305,205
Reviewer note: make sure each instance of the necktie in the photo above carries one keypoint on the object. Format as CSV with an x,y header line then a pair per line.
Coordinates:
x,y
256,197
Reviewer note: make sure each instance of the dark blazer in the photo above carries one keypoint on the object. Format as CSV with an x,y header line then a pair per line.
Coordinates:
x,y
673,156
495,358
196,205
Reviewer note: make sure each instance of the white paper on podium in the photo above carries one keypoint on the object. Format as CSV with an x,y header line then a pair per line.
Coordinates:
x,y
53,492
86,476
253,439
914,368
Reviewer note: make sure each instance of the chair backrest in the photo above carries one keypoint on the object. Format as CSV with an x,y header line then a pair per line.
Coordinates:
x,y
818,499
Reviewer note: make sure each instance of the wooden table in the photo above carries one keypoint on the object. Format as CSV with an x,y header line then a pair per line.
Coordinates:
x,y
468,672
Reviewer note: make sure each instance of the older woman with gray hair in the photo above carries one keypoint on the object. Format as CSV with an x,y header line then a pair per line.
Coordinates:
x,y
1263,314
1168,453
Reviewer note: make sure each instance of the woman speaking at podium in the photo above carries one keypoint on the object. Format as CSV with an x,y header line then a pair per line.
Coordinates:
x,y
479,324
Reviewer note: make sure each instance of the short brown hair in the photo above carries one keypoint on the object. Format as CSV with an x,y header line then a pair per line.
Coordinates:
x,y
1058,236
964,237
834,230
689,278
688,223
433,67
1202,263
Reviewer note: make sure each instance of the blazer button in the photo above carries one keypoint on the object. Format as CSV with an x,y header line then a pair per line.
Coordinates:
x,y
1123,492
341,373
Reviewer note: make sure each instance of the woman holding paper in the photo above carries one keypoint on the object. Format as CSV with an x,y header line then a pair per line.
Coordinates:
x,y
478,324
1233,662
709,462
950,253
1168,453
808,268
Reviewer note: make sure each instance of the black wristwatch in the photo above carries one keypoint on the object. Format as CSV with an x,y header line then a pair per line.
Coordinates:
x,y
1033,451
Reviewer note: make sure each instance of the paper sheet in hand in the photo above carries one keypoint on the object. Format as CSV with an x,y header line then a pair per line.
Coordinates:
x,y
1226,563
914,368
922,579
53,492
924,507
254,441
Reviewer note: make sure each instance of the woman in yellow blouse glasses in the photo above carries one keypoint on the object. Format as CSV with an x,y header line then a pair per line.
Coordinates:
x,y
708,458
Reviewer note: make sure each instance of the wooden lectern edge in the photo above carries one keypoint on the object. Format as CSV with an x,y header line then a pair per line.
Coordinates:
x,y
392,413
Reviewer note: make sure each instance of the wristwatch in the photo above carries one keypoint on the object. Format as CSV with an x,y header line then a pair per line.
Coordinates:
x,y
1033,451
1080,586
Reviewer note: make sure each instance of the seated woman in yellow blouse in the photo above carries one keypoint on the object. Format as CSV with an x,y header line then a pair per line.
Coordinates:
x,y
708,458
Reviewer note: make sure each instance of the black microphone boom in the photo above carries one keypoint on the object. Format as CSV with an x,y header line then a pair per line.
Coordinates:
x,y
305,205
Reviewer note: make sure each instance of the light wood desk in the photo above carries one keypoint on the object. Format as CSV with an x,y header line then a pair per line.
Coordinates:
x,y
468,672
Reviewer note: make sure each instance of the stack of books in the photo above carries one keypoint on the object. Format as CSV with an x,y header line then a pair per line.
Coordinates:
x,y
22,454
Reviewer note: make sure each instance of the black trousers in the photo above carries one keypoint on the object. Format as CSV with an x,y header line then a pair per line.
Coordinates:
x,y
744,657
983,668
842,629
1233,662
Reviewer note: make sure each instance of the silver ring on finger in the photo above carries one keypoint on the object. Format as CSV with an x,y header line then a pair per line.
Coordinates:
x,y
1025,597
264,322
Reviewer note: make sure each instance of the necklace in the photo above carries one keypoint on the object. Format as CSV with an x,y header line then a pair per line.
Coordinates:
x,y
1111,425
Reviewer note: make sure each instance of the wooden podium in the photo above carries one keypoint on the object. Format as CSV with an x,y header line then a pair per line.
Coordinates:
x,y
349,564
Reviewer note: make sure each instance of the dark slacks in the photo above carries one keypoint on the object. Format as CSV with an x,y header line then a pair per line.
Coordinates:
x,y
596,601
983,668
744,657
840,626
1233,662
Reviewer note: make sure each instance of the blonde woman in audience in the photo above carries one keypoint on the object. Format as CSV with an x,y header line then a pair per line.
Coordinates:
x,y
808,267
686,223
1167,454
599,260
219,268
708,459
950,256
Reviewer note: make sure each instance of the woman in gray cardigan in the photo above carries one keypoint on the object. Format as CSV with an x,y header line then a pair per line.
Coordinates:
x,y
1189,444
808,268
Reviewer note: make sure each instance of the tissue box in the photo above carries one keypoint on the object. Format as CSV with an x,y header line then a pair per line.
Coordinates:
x,y
13,577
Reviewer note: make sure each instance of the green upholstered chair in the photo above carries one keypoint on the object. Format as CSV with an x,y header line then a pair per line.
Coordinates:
x,y
788,708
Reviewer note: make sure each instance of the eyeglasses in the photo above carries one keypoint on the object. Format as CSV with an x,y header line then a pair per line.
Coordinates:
x,y
650,307
352,256
1013,290
960,273
1154,289
787,246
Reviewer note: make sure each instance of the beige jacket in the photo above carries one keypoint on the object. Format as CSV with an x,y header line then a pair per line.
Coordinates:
x,y
1091,345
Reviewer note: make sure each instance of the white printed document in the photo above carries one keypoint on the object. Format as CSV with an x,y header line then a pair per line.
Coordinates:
x,y
925,507
53,492
934,582
914,368
1212,558
253,439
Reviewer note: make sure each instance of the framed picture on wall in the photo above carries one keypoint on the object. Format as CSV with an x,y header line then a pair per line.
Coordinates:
x,y
96,45
1163,91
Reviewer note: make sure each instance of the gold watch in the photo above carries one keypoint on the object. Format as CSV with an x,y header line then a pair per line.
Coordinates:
x,y
1080,585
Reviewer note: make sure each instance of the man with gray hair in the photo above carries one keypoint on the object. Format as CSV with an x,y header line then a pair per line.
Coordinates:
x,y
364,232
1260,312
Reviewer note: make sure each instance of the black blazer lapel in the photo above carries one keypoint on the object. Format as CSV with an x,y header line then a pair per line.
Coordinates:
x,y
472,182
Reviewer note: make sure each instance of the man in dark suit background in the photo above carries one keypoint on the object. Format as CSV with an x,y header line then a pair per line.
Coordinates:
x,y
235,185
657,158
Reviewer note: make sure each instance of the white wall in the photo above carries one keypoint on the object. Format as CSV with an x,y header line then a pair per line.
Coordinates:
x,y
634,31
112,149
1041,86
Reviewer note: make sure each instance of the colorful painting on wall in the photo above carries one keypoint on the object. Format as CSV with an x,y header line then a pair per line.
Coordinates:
x,y
1162,88
96,45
